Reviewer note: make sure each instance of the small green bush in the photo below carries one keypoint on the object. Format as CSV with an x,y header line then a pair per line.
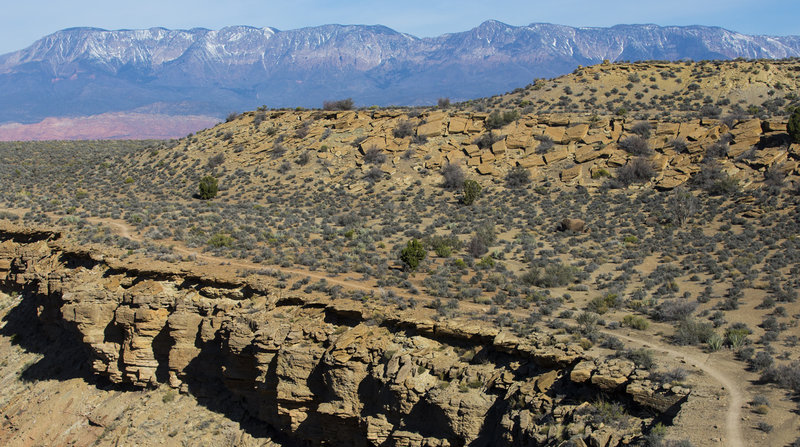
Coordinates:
x,y
601,304
220,240
497,120
413,254
553,275
793,126
208,187
471,192
635,322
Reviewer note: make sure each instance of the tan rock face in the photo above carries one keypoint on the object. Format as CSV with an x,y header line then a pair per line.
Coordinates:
x,y
431,129
556,155
557,134
295,368
571,174
576,133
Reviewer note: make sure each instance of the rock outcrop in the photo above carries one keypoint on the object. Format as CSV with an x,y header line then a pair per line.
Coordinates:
x,y
323,372
582,152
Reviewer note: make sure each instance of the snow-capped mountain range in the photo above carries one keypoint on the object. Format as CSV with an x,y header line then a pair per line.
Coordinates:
x,y
87,71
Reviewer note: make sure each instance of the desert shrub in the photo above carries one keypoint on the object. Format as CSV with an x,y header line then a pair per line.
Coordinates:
x,y
486,233
545,144
259,118
412,254
553,275
284,167
601,304
674,310
518,177
277,150
714,180
443,245
341,104
718,149
642,129
231,116
587,321
635,322
374,156
497,120
643,358
303,159
761,361
215,161
760,404
681,205
477,247
693,332
374,174
486,140
680,145
443,103
303,130
452,176
635,145
764,426
220,240
484,238
611,414
471,191
404,129
638,170
793,126
786,375
774,178
672,376
208,187
730,120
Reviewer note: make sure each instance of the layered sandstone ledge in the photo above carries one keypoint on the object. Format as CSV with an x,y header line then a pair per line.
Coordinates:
x,y
321,370
585,149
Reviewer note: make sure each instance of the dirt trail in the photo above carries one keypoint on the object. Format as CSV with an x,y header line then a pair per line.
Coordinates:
x,y
699,360
733,429
123,229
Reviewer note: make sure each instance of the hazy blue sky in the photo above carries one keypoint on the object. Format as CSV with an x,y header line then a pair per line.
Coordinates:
x,y
23,22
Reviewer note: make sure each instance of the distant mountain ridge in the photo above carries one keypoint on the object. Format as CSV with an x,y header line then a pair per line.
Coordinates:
x,y
88,71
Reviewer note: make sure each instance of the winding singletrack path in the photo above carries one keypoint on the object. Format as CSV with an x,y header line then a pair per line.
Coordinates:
x,y
733,417
733,429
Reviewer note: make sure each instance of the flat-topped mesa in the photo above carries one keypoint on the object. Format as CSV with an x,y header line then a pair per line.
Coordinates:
x,y
322,370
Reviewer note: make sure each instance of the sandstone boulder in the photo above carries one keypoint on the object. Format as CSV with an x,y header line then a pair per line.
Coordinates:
x,y
574,225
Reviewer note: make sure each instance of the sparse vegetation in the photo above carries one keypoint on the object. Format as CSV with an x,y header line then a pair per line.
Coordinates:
x,y
340,104
638,170
301,191
453,176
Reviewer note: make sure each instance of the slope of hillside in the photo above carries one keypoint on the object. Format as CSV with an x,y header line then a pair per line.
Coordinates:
x,y
669,91
509,274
